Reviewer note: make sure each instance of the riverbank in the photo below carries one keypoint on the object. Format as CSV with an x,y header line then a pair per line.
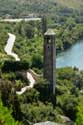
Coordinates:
x,y
58,52
71,57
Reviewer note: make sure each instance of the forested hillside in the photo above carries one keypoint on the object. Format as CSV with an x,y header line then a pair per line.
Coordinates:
x,y
65,17
19,8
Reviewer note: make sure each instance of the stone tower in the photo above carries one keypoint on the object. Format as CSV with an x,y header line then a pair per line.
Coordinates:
x,y
49,58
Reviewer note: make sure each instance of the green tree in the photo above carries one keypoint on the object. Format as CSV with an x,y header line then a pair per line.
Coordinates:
x,y
5,116
68,104
37,61
28,30
9,98
38,112
79,116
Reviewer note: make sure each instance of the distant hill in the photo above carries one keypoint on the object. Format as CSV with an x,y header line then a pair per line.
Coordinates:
x,y
74,4
19,8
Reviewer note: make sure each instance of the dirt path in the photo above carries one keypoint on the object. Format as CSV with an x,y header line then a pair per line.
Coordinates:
x,y
8,49
9,46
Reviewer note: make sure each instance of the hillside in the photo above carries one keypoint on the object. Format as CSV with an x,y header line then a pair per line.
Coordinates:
x,y
29,106
74,4
23,7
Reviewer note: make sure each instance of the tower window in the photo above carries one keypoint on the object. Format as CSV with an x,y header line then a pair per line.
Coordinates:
x,y
48,46
49,41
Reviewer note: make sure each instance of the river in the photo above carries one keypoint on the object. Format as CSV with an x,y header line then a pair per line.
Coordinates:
x,y
72,57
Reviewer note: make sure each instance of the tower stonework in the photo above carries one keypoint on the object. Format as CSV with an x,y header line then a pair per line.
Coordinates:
x,y
49,58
